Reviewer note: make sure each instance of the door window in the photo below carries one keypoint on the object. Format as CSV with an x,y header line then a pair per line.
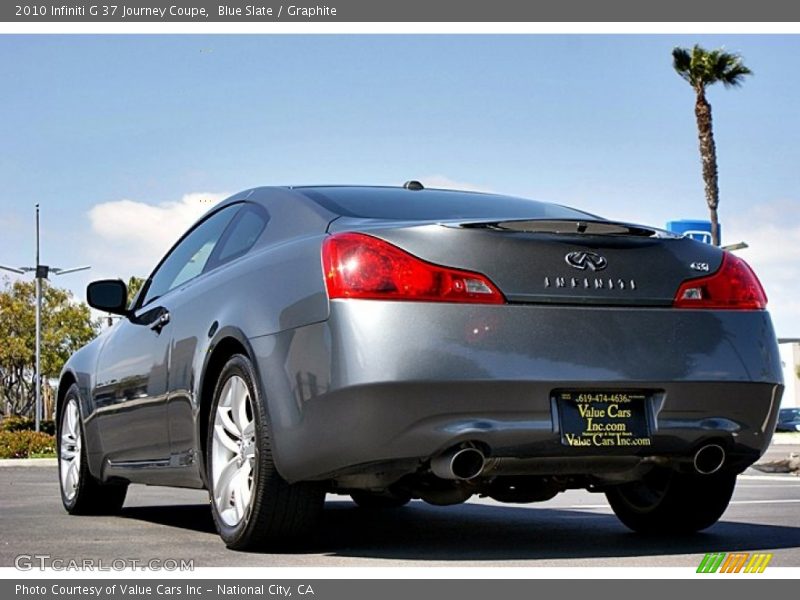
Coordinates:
x,y
188,259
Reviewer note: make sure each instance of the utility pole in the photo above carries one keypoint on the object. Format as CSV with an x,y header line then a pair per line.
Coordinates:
x,y
41,272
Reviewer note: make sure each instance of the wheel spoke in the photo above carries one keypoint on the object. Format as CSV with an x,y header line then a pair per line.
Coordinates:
x,y
66,474
239,408
222,487
71,419
246,484
227,422
238,493
75,472
227,396
63,471
220,435
67,447
72,476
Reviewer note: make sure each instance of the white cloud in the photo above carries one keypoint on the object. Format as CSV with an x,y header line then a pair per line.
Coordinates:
x,y
772,230
131,236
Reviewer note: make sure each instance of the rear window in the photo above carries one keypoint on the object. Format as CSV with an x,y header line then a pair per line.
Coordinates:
x,y
433,205
242,234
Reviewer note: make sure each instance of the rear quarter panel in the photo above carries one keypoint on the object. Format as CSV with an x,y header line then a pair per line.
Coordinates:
x,y
278,286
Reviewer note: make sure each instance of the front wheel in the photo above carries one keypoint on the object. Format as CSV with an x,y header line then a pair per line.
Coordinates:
x,y
252,505
81,492
667,502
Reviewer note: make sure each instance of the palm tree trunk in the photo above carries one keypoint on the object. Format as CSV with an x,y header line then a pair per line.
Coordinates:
x,y
708,154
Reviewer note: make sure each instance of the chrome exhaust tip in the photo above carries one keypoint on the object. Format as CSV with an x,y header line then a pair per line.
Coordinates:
x,y
458,463
709,459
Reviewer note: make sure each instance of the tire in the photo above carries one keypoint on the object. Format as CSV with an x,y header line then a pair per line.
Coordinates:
x,y
252,505
379,500
81,492
667,502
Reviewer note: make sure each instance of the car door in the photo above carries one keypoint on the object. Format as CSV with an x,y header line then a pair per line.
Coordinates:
x,y
132,387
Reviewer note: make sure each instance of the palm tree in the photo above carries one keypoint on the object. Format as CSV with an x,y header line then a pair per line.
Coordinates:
x,y
701,68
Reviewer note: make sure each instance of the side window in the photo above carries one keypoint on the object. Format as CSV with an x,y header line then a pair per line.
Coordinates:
x,y
242,235
188,259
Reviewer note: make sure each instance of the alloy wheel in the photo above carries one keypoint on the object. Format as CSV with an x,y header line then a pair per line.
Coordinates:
x,y
233,452
70,450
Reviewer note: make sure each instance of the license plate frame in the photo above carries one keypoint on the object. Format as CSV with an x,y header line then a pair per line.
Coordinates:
x,y
604,419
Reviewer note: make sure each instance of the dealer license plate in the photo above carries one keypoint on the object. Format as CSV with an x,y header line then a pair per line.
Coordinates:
x,y
594,419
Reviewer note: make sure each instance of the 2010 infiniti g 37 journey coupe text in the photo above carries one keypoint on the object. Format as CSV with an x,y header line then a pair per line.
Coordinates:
x,y
399,343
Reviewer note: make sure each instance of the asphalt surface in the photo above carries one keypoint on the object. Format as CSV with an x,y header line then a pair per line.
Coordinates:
x,y
574,529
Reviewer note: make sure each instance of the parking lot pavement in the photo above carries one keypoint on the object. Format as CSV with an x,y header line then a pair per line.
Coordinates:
x,y
574,529
782,450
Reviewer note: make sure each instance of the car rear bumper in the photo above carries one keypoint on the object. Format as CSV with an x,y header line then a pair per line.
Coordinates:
x,y
381,382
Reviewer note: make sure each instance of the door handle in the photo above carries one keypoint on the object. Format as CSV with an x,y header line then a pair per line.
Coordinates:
x,y
160,322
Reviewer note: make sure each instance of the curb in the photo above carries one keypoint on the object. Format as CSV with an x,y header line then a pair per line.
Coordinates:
x,y
781,438
28,462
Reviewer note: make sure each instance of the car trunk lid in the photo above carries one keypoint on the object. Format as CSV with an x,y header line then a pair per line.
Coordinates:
x,y
558,261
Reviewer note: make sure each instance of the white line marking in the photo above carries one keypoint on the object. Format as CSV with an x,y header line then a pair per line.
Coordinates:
x,y
767,485
779,501
776,477
783,501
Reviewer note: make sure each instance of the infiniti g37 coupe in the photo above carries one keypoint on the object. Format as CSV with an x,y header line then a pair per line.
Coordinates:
x,y
399,343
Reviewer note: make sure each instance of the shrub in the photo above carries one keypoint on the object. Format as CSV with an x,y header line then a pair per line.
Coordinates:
x,y
18,423
23,443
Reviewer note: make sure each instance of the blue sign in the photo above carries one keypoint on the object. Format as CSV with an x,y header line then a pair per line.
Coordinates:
x,y
696,229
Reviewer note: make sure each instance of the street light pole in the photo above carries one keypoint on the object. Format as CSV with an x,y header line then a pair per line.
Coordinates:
x,y
41,272
38,331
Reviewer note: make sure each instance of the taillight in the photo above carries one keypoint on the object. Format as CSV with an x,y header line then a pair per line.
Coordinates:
x,y
734,286
361,266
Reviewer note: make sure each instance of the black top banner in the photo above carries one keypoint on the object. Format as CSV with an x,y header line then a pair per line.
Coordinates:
x,y
465,11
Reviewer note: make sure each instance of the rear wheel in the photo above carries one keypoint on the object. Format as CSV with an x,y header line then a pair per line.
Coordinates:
x,y
667,502
81,492
377,500
252,505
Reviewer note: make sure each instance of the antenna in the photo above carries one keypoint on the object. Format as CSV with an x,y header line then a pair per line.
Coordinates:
x,y
42,272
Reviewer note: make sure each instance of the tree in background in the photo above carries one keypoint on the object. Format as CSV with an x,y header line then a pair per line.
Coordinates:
x,y
134,285
701,68
66,326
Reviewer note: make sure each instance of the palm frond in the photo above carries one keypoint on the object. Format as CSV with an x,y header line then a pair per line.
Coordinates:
x,y
701,67
731,71
682,62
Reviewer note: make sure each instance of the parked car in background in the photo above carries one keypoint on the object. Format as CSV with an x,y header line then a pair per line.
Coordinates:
x,y
788,419
401,343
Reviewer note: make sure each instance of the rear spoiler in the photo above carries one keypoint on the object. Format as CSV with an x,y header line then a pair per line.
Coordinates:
x,y
568,226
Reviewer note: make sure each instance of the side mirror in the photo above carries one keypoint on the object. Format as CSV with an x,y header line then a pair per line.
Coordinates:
x,y
108,295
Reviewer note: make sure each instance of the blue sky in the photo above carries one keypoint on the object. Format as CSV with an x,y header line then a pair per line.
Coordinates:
x,y
120,138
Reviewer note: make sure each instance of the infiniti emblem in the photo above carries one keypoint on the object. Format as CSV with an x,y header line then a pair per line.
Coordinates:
x,y
582,260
